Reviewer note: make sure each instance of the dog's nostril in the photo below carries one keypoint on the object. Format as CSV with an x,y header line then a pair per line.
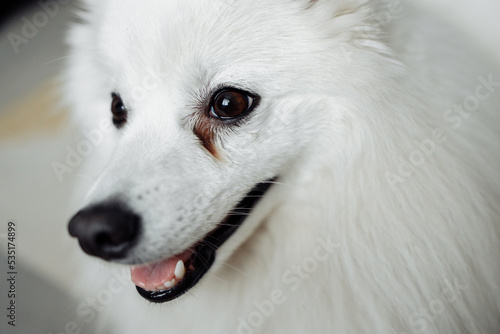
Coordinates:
x,y
104,240
108,230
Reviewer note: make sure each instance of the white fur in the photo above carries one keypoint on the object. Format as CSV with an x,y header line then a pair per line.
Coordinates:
x,y
345,95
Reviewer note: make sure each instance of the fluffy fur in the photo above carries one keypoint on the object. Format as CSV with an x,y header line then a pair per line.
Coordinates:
x,y
351,91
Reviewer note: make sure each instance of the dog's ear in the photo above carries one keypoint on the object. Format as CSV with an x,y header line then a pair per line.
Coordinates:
x,y
339,8
343,3
355,20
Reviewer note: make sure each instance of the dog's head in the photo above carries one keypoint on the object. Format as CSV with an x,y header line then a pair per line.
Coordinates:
x,y
211,102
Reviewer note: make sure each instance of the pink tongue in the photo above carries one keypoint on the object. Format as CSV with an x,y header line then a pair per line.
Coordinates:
x,y
152,277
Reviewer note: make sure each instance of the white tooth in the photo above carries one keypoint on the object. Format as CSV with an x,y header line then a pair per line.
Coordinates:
x,y
180,270
170,284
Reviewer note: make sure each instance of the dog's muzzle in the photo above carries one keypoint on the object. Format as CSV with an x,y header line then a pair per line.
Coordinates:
x,y
110,230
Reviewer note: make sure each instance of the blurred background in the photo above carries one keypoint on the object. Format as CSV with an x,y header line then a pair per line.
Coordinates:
x,y
35,132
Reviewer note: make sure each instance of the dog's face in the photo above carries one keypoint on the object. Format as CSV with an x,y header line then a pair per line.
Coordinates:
x,y
210,100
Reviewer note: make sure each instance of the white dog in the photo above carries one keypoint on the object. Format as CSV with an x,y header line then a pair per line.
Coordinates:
x,y
327,166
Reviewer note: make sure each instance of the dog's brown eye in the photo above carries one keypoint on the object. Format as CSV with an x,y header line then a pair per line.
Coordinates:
x,y
119,111
231,103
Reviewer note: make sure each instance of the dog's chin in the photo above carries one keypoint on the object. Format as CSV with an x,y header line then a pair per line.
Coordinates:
x,y
173,277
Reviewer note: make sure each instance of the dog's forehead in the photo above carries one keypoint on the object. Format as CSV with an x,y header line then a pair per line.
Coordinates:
x,y
181,33
202,15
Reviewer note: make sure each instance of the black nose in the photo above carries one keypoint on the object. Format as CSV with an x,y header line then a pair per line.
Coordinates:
x,y
106,230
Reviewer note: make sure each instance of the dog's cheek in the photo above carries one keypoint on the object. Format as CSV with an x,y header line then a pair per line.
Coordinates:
x,y
273,141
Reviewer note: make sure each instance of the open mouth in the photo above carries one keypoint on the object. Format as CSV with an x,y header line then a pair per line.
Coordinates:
x,y
171,278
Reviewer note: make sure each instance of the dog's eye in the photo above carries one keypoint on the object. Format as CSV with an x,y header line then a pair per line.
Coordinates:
x,y
119,111
232,103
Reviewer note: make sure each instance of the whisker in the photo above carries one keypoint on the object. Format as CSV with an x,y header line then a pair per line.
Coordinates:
x,y
282,184
235,214
207,243
234,268
210,274
86,177
57,59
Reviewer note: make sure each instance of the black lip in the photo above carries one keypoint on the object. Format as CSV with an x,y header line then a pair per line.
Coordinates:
x,y
205,252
